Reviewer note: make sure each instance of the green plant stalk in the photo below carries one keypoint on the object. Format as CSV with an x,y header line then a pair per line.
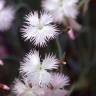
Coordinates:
x,y
59,48
60,53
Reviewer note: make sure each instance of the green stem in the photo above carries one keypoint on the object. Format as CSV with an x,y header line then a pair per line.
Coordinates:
x,y
60,53
59,48
81,3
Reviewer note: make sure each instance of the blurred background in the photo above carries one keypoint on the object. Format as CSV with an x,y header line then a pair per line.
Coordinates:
x,y
80,54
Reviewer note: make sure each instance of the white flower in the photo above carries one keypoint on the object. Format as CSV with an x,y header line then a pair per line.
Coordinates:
x,y
58,83
61,9
38,29
35,70
6,16
59,80
2,3
24,89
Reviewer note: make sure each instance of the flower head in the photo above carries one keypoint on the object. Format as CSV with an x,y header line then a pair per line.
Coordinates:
x,y
59,80
37,71
24,89
2,3
58,83
61,9
39,28
6,16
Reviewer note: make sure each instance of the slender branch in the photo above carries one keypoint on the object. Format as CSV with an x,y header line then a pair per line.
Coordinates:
x,y
59,48
60,53
82,2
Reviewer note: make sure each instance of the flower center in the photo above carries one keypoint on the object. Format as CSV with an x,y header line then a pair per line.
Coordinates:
x,y
61,3
40,67
40,25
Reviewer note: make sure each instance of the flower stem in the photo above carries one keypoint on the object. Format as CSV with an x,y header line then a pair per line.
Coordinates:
x,y
82,2
60,53
59,48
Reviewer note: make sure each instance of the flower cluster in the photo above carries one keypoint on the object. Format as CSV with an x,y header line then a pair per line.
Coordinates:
x,y
41,28
39,77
